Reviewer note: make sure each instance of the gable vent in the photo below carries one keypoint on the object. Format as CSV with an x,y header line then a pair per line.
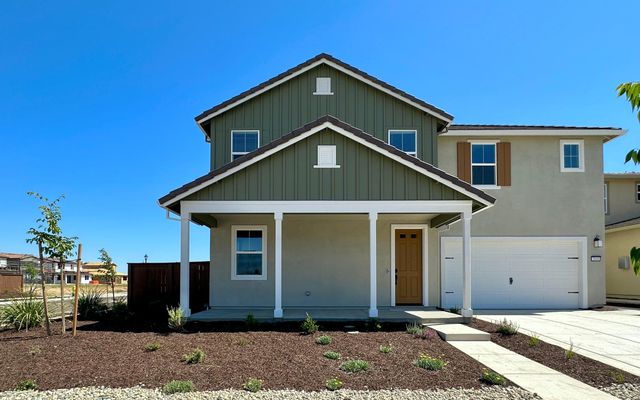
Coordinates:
x,y
323,86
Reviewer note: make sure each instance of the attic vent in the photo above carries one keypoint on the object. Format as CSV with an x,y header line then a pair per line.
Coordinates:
x,y
323,86
326,157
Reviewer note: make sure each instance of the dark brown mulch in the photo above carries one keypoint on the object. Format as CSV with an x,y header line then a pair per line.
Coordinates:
x,y
100,356
582,368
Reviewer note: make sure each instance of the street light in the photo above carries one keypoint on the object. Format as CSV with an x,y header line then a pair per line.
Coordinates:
x,y
145,258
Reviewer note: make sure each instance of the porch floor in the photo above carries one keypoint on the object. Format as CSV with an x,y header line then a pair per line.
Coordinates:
x,y
417,314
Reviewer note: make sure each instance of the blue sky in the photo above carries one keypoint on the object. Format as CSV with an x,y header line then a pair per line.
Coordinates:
x,y
97,99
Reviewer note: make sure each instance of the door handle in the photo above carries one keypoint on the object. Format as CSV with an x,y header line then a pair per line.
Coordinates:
x,y
510,281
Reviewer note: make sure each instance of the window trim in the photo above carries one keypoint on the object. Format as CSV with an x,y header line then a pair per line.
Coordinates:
x,y
637,186
606,197
495,163
234,231
329,93
580,144
415,140
242,153
335,157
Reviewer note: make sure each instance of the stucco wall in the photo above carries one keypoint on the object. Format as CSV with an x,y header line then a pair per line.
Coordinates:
x,y
326,255
622,200
543,201
621,282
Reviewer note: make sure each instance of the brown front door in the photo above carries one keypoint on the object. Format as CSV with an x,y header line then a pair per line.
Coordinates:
x,y
408,266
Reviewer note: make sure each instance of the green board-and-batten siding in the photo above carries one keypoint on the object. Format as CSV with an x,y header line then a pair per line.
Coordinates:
x,y
364,174
292,105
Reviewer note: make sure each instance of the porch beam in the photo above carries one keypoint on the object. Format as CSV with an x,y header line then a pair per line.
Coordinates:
x,y
373,278
277,312
184,263
467,312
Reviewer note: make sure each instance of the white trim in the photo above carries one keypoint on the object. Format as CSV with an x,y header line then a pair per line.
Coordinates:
x,y
606,197
234,231
184,263
494,164
580,144
425,260
534,132
343,132
373,265
326,166
483,141
241,153
415,140
339,68
277,310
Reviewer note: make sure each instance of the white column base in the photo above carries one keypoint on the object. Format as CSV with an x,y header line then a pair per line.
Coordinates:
x,y
186,311
277,313
373,313
467,313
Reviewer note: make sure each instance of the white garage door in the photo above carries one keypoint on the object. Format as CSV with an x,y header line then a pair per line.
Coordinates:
x,y
513,272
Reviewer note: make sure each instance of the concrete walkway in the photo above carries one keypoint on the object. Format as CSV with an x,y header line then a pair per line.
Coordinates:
x,y
547,383
611,337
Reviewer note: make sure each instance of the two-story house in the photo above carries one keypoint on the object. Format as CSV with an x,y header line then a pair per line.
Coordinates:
x,y
622,224
330,188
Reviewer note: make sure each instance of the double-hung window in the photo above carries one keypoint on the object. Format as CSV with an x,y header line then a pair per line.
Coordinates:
x,y
483,164
243,142
249,252
572,155
404,140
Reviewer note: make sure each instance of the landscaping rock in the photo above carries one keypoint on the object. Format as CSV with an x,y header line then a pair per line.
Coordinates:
x,y
625,391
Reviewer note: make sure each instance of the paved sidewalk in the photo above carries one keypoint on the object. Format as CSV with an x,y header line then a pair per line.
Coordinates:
x,y
611,337
547,383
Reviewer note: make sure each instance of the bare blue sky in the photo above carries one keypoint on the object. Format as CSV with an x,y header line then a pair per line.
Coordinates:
x,y
97,99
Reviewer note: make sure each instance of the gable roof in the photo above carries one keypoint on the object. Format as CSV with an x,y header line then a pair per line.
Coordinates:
x,y
620,225
532,130
327,59
339,126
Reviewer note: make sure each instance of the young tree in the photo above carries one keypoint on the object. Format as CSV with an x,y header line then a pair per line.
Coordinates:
x,y
109,272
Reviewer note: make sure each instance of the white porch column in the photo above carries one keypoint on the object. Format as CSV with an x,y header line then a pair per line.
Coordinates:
x,y
277,312
373,274
184,262
466,269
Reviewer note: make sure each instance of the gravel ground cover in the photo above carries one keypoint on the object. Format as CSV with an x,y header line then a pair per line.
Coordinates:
x,y
103,356
486,393
582,368
625,391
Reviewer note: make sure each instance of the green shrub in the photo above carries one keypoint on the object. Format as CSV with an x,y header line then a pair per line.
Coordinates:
x,y
309,326
332,355
91,304
334,384
251,322
386,349
176,320
618,377
35,350
119,309
414,328
195,357
426,334
324,340
178,387
508,328
431,363
253,385
242,342
492,378
534,340
354,366
23,313
373,325
152,347
27,384
570,353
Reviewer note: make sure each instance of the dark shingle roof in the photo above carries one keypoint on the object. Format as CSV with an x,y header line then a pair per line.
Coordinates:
x,y
454,127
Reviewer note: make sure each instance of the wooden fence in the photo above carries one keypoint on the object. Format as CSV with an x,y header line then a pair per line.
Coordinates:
x,y
10,283
152,287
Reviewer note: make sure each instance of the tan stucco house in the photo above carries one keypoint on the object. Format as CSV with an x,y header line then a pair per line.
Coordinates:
x,y
329,188
622,219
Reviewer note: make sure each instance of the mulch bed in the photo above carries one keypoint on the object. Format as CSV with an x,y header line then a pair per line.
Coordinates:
x,y
582,368
115,357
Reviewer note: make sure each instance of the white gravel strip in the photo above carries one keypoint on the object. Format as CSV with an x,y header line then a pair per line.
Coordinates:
x,y
136,393
625,391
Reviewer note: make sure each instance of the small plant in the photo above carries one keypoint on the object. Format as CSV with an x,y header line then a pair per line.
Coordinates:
x,y
618,377
309,326
569,353
242,342
195,357
431,363
91,304
253,385
23,313
373,325
178,387
455,310
492,378
334,384
27,384
332,355
176,320
354,366
414,328
251,322
426,334
119,310
507,328
35,350
152,347
324,340
385,349
534,340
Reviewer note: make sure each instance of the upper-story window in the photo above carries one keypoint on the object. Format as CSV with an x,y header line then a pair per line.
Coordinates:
x,y
404,139
606,198
243,142
572,155
483,164
323,86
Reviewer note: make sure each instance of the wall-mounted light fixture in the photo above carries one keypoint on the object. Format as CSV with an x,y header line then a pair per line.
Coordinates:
x,y
597,242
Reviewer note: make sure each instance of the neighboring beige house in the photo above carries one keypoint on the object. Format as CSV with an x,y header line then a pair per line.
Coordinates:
x,y
18,262
97,272
622,219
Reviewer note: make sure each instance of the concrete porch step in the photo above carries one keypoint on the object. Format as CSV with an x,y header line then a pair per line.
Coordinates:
x,y
459,332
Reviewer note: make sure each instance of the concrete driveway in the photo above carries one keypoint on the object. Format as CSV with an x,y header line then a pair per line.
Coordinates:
x,y
611,337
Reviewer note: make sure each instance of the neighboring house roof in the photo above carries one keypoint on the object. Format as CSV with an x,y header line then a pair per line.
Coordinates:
x,y
322,58
15,255
327,121
531,130
622,175
625,224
